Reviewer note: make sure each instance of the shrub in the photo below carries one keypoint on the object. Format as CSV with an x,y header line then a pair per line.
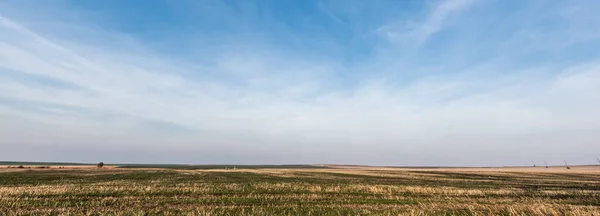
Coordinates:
x,y
100,165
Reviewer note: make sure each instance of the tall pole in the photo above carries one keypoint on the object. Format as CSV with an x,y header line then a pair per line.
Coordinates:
x,y
567,165
546,164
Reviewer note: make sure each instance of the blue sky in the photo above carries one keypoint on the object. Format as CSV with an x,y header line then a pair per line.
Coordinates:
x,y
444,82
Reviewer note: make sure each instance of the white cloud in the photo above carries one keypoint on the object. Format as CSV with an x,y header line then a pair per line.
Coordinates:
x,y
279,108
419,31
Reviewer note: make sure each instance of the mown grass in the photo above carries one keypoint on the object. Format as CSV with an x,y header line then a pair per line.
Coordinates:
x,y
216,166
295,192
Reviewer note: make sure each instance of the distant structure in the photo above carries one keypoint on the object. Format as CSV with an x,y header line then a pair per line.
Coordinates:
x,y
546,164
100,165
567,165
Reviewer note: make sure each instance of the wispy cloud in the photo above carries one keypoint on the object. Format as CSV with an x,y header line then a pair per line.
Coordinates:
x,y
260,102
420,30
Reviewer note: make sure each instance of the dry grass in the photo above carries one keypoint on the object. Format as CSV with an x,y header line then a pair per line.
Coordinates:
x,y
324,191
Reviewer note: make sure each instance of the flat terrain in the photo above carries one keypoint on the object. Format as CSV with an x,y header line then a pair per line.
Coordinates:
x,y
339,190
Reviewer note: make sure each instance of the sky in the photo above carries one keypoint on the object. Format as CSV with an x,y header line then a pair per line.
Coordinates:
x,y
404,83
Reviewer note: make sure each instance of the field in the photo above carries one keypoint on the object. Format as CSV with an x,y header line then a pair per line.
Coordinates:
x,y
84,190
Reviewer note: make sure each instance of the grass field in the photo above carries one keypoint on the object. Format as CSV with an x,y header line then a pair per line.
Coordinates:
x,y
292,191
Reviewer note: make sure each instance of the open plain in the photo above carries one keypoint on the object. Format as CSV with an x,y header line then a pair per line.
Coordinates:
x,y
311,190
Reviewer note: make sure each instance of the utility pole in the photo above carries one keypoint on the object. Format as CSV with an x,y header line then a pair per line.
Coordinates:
x,y
567,165
546,164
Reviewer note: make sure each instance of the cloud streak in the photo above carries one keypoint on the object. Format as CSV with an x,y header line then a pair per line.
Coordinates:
x,y
74,99
420,31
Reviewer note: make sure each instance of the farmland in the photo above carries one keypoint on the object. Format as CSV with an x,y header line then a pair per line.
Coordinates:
x,y
299,191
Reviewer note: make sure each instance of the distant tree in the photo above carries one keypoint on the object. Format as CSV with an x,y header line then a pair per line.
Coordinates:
x,y
100,165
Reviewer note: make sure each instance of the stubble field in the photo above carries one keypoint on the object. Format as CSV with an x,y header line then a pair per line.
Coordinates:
x,y
318,191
